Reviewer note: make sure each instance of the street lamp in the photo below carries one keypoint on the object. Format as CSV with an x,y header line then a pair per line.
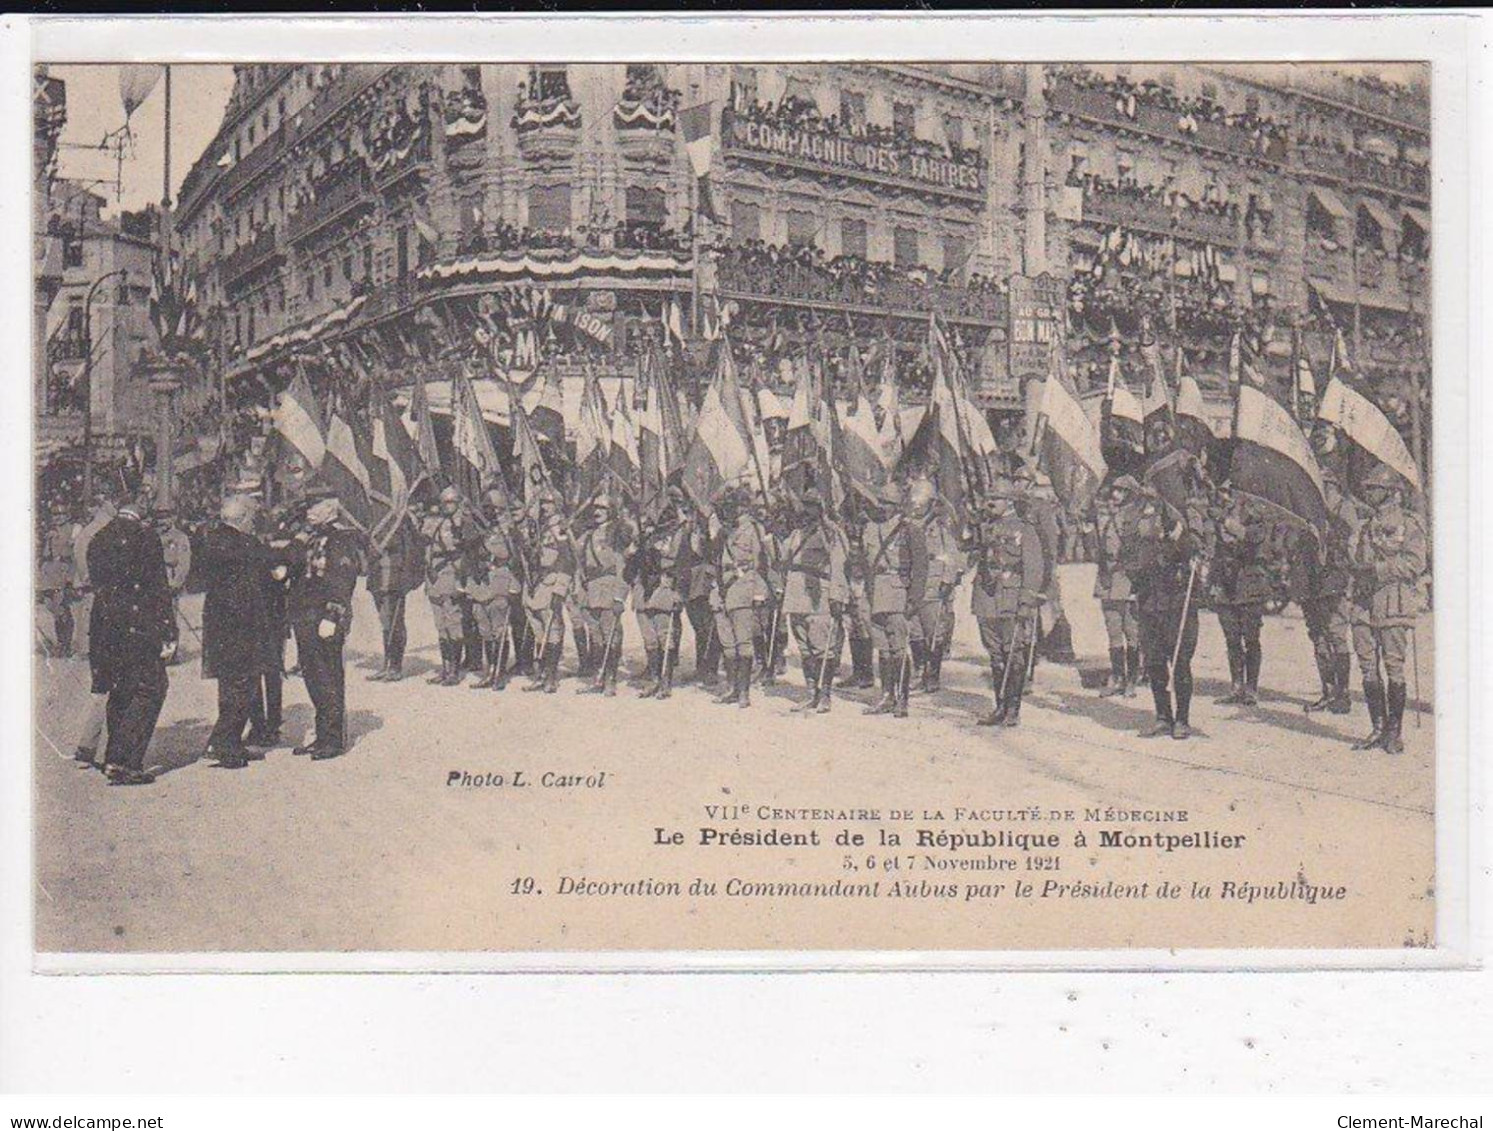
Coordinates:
x,y
165,379
122,273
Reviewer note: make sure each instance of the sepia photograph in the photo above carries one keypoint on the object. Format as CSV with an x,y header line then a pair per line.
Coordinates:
x,y
502,508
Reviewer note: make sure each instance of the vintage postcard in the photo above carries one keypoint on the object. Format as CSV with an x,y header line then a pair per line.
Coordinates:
x,y
500,508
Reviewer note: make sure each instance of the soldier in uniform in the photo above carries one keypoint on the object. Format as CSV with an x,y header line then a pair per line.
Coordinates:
x,y
700,585
740,592
178,549
1159,547
551,575
935,542
1037,505
54,581
493,589
890,571
445,538
862,650
1388,561
1320,577
131,638
603,554
1112,587
398,569
656,572
1239,581
815,594
322,581
772,630
1004,600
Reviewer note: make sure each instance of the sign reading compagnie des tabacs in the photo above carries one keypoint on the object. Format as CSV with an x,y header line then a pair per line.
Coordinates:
x,y
851,154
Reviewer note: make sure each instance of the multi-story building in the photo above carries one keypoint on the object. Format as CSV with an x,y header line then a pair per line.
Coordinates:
x,y
1022,203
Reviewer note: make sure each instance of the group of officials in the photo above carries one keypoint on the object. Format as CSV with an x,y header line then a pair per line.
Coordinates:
x,y
881,574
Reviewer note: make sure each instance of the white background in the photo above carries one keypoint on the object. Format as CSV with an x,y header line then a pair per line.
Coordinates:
x,y
1028,1031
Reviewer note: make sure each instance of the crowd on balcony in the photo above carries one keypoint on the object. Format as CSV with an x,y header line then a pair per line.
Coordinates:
x,y
1205,313
1395,163
546,100
804,271
794,112
635,235
1128,97
1160,196
647,101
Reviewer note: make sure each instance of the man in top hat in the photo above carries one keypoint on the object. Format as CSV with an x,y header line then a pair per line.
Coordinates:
x,y
1320,576
890,570
741,591
603,553
1005,597
816,591
398,569
1389,563
1112,587
657,574
1239,585
551,578
323,577
132,636
178,550
445,537
934,542
1160,548
237,623
492,565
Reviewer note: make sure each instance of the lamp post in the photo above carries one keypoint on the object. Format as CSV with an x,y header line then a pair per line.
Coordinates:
x,y
88,351
165,379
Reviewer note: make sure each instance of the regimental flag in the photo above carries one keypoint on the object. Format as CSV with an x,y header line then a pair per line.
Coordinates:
x,y
672,320
346,475
1375,441
1124,419
547,413
623,461
475,465
751,409
1159,425
953,441
1069,446
661,438
695,126
298,421
527,452
402,470
1273,459
809,443
1242,367
720,453
1193,429
593,441
421,425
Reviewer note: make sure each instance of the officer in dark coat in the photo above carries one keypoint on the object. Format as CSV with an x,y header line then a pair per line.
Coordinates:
x,y
237,619
1239,584
133,635
398,569
321,593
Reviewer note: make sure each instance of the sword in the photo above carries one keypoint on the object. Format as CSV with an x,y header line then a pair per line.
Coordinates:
x,y
1192,572
606,655
1415,671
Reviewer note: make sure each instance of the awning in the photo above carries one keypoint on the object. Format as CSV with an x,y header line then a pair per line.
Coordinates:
x,y
1420,219
1344,296
1329,200
1381,216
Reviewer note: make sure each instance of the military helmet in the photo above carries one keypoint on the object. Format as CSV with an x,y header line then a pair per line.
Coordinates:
x,y
450,495
920,494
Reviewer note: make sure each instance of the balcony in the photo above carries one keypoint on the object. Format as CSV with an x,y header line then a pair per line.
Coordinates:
x,y
898,296
344,197
330,102
261,158
399,162
539,114
894,163
653,114
1361,168
243,261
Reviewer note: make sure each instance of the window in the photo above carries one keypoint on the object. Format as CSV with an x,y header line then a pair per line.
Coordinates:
x,y
956,258
554,82
326,276
646,206
853,238
368,264
264,122
251,133
75,318
549,208
280,108
745,85
402,254
953,129
72,249
746,220
904,119
802,229
853,109
905,253
311,285
347,268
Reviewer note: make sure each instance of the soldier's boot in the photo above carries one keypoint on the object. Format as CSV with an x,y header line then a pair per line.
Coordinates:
x,y
1327,669
1342,670
1132,671
918,666
552,668
1236,674
1182,687
440,677
589,672
1013,698
888,698
997,714
731,692
904,688
811,681
655,682
1373,694
1395,706
536,671
1118,679
453,673
484,678
935,669
1161,695
863,671
744,666
1252,657
609,676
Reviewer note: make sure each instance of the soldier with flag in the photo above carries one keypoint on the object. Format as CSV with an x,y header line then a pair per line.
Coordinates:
x,y
890,572
445,537
398,567
1113,589
740,591
816,590
858,611
1388,559
1319,580
1239,584
699,585
1005,598
601,563
936,543
771,643
551,577
657,573
493,588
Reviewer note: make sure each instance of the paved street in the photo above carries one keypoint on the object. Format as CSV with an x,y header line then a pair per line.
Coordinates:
x,y
375,851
